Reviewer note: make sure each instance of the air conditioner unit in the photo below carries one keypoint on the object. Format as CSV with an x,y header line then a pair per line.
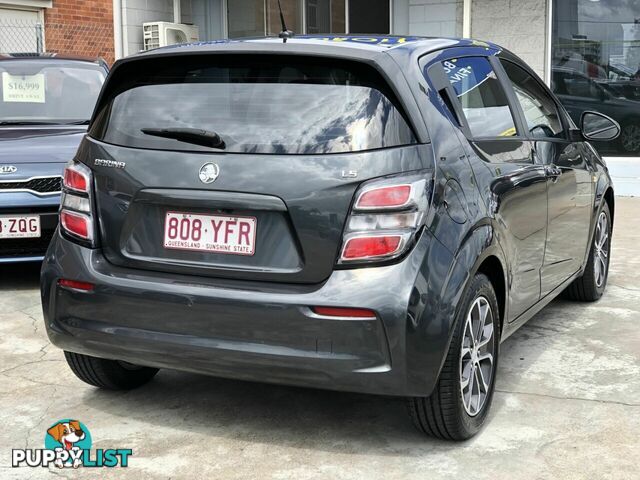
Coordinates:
x,y
161,34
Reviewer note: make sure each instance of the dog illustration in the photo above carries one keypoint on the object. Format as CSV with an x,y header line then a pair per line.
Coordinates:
x,y
67,434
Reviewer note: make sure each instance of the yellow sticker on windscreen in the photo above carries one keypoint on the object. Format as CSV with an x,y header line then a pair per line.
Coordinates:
x,y
23,88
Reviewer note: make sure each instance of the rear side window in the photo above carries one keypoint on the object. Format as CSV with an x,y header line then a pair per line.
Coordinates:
x,y
483,100
279,105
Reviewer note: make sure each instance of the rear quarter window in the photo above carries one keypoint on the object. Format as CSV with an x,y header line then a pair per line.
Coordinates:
x,y
278,105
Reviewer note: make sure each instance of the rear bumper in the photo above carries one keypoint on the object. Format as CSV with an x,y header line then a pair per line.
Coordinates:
x,y
248,330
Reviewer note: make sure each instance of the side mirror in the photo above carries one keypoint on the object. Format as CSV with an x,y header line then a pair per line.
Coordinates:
x,y
596,126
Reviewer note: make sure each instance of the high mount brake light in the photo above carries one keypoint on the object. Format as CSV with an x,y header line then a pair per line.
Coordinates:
x,y
76,216
386,217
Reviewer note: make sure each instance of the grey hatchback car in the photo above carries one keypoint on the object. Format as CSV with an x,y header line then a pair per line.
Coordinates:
x,y
362,214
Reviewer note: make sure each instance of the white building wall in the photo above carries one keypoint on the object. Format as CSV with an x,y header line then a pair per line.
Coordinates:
x,y
435,18
517,25
400,24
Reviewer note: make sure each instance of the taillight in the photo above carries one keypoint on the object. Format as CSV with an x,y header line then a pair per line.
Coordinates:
x,y
76,224
371,246
76,217
383,198
385,219
76,180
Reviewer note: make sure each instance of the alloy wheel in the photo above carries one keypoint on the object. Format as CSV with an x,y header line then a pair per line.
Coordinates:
x,y
476,356
630,138
601,250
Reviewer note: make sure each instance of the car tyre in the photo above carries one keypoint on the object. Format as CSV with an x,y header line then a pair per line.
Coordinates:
x,y
450,413
590,286
108,374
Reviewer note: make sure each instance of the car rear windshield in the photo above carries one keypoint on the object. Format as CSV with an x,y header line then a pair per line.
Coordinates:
x,y
278,105
48,91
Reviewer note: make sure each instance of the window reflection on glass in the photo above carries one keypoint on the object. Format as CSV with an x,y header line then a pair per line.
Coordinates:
x,y
596,64
245,18
483,99
259,105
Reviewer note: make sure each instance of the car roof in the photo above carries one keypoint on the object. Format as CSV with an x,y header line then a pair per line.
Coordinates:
x,y
364,46
55,57
364,42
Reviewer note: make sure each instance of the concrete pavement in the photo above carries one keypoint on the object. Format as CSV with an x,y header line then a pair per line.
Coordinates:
x,y
567,403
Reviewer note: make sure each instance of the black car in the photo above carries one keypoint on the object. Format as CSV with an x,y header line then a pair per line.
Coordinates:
x,y
364,214
579,93
622,89
45,104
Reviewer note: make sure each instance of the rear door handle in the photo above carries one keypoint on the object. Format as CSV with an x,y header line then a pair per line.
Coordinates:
x,y
553,172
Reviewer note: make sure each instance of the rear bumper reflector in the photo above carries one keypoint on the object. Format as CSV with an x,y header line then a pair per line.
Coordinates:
x,y
76,285
343,312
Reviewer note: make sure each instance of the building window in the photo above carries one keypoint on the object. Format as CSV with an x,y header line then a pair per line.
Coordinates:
x,y
369,16
325,16
292,12
248,18
256,18
596,64
245,18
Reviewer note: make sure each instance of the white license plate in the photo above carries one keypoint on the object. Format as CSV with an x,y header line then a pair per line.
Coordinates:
x,y
19,226
210,233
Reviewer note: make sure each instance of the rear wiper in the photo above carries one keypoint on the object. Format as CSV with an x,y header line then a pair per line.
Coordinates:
x,y
206,138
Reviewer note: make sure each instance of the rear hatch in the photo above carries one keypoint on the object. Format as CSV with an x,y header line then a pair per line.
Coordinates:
x,y
240,166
